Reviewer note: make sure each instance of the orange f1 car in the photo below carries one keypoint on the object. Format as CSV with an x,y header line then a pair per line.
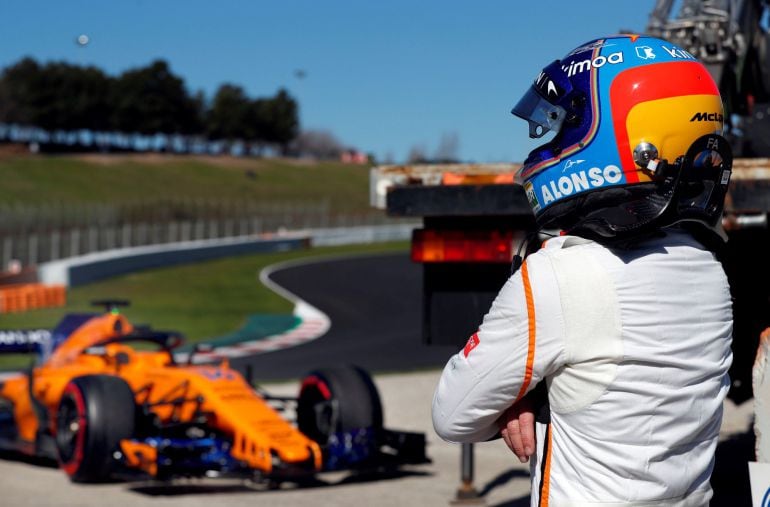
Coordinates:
x,y
103,408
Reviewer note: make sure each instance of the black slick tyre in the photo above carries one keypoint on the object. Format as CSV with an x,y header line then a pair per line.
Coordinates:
x,y
95,413
339,399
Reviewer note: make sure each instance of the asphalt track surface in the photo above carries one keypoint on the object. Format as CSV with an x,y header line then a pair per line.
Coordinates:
x,y
374,304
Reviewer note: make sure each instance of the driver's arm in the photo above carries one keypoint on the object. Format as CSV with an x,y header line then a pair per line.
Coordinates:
x,y
519,342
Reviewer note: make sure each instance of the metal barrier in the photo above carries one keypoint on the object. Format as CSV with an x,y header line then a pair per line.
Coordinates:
x,y
35,235
96,266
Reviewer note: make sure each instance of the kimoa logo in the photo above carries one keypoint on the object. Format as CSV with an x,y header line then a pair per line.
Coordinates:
x,y
707,117
580,181
576,67
676,52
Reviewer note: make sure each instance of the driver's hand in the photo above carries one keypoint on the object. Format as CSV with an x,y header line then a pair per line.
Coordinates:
x,y
517,427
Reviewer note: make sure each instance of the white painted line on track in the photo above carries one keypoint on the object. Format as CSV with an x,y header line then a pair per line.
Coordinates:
x,y
313,323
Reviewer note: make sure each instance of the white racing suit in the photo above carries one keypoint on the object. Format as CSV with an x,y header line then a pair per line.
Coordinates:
x,y
634,346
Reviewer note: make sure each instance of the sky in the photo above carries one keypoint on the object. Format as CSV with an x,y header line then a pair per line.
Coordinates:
x,y
384,76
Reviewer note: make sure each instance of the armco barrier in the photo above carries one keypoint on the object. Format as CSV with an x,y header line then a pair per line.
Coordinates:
x,y
97,266
76,271
360,234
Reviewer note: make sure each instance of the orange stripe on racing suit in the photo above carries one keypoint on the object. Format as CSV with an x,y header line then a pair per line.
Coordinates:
x,y
532,331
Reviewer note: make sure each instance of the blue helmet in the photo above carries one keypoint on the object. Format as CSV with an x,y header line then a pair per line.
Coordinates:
x,y
624,112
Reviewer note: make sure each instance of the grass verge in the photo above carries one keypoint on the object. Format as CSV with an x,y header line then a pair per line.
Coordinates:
x,y
121,179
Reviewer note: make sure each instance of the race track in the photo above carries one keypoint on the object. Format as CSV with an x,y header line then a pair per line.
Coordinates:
x,y
374,304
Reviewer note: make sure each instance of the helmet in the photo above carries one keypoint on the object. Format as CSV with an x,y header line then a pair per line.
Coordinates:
x,y
637,144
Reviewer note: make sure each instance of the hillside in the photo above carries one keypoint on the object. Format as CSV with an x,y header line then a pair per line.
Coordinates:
x,y
128,179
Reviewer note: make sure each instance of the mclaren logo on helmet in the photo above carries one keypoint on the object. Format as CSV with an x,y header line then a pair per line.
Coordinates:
x,y
707,117
547,87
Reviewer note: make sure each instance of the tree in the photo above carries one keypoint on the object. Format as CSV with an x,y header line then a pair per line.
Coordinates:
x,y
417,155
448,148
54,96
232,115
321,144
149,100
19,90
278,119
152,100
80,97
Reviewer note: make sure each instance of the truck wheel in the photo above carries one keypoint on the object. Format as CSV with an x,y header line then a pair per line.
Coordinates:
x,y
95,413
333,400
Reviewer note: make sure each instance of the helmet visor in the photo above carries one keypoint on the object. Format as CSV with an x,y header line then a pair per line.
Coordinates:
x,y
541,115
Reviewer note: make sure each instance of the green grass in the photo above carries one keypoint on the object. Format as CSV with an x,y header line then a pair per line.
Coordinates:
x,y
126,179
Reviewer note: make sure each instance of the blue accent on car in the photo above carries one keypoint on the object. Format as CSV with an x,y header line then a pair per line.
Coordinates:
x,y
42,341
193,456
23,340
348,449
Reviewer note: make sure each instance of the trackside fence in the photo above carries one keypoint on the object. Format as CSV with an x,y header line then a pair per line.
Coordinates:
x,y
39,242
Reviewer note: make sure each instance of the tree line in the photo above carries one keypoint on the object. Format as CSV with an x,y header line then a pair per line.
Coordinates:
x,y
59,97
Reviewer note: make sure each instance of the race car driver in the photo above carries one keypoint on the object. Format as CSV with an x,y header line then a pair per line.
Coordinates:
x,y
624,319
